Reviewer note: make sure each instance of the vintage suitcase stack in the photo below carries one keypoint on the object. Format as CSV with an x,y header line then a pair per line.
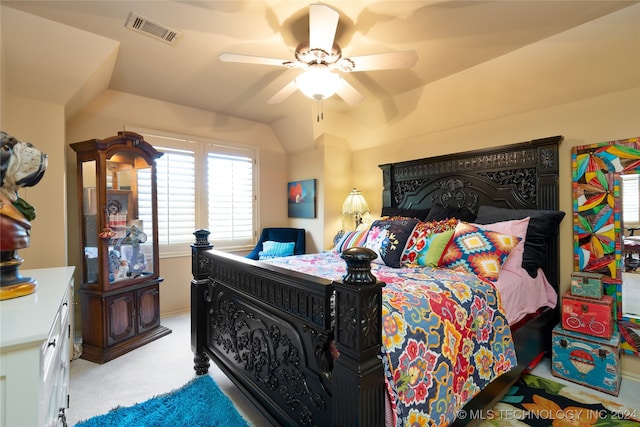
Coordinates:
x,y
586,346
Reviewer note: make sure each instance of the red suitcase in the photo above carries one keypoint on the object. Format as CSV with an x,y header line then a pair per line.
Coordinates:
x,y
587,315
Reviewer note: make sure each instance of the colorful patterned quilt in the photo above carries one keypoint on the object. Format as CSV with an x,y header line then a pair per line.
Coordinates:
x,y
444,337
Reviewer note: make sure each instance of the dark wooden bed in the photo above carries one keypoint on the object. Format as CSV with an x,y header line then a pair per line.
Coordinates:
x,y
269,328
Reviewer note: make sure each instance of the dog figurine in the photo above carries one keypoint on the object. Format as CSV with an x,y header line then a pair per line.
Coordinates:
x,y
21,165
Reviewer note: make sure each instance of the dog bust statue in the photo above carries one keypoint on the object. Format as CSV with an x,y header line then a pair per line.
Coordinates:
x,y
21,165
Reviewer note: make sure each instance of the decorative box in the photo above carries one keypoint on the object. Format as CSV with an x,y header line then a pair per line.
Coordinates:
x,y
587,360
588,285
587,315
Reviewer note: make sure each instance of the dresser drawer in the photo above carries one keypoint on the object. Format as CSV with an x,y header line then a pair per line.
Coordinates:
x,y
54,371
57,342
51,348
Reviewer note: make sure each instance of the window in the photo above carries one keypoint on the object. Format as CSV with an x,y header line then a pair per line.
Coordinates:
x,y
230,183
201,184
630,199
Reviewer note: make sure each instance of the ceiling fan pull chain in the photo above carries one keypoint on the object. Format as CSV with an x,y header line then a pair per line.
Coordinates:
x,y
319,110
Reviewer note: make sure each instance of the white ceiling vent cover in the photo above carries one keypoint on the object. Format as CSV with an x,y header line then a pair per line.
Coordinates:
x,y
153,29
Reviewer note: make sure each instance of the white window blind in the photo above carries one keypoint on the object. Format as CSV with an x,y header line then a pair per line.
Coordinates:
x,y
230,188
201,184
631,199
175,178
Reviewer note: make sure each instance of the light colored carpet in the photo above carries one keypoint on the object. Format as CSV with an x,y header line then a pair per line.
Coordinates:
x,y
156,368
167,364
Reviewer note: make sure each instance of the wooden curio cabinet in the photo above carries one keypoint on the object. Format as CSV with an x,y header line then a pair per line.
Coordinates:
x,y
120,286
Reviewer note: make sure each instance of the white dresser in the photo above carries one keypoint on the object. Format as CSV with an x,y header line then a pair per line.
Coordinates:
x,y
35,336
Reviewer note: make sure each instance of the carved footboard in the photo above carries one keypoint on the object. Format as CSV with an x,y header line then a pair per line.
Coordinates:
x,y
270,329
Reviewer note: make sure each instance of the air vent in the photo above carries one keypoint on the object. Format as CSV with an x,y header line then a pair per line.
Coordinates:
x,y
153,29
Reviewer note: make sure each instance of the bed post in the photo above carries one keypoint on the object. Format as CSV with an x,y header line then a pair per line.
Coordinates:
x,y
358,377
200,272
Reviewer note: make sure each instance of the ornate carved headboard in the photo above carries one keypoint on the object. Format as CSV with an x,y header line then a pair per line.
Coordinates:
x,y
515,176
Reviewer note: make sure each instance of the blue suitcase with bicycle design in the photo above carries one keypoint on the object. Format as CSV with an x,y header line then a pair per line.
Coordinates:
x,y
587,315
587,360
588,285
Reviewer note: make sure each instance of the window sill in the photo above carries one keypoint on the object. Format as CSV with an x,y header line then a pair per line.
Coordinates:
x,y
236,250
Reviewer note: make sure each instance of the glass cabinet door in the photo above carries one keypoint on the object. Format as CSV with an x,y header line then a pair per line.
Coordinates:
x,y
91,226
128,217
118,219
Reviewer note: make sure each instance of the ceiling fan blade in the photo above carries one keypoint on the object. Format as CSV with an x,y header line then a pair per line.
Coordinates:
x,y
283,93
323,22
384,61
250,59
348,93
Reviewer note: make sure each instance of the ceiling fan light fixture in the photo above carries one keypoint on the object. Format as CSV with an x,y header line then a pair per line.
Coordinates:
x,y
318,82
320,56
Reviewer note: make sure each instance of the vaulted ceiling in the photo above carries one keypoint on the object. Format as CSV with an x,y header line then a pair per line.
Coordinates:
x,y
68,52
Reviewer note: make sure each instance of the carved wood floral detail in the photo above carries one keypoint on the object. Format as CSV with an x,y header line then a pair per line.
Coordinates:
x,y
523,180
453,192
370,322
268,355
347,319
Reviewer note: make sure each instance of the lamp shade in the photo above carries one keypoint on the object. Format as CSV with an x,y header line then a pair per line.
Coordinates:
x,y
318,82
355,204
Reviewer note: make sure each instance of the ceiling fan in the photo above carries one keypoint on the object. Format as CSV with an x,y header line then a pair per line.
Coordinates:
x,y
321,57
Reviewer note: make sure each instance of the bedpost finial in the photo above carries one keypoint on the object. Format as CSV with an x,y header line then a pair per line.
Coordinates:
x,y
359,266
202,237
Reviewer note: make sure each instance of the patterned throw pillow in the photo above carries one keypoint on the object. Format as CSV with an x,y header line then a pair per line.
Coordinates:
x,y
420,240
437,245
388,238
351,239
542,226
518,228
477,250
272,249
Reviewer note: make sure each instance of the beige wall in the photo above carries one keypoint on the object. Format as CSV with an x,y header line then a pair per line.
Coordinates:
x,y
605,118
42,124
309,165
329,163
338,179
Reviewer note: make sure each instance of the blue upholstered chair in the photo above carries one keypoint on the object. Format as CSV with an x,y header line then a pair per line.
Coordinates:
x,y
281,234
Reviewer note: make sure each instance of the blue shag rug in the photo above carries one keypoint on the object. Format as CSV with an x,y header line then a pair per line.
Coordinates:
x,y
199,403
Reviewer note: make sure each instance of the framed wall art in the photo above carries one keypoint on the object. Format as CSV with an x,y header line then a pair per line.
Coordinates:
x,y
301,196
